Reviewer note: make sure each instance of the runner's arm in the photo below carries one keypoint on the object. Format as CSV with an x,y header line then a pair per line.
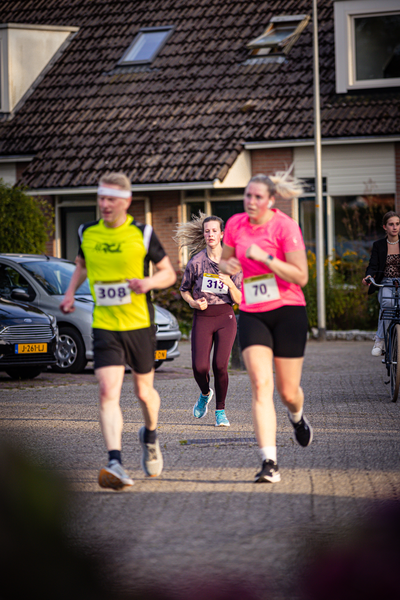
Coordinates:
x,y
200,304
163,278
293,270
78,277
234,292
228,263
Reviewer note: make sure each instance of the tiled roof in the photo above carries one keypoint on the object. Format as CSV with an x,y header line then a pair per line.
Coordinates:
x,y
181,119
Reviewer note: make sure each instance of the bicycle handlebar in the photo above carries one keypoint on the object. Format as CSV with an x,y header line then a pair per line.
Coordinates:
x,y
372,280
395,285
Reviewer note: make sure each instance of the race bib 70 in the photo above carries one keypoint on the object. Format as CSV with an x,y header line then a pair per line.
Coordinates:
x,y
112,294
262,288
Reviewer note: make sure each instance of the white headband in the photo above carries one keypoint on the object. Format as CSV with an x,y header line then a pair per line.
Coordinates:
x,y
102,190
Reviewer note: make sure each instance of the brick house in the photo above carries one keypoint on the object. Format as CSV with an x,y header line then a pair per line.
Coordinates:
x,y
191,97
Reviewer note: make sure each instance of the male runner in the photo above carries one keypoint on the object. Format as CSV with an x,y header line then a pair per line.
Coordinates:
x,y
114,254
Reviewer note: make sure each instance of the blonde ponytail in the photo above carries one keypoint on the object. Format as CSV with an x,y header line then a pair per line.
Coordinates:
x,y
190,234
282,184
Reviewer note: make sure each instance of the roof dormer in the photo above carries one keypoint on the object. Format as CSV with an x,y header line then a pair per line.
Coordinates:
x,y
25,51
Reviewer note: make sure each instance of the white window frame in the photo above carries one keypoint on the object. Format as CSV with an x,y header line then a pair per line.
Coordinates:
x,y
345,12
4,91
168,29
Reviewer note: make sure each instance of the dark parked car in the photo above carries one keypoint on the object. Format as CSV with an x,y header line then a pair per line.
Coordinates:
x,y
44,280
28,339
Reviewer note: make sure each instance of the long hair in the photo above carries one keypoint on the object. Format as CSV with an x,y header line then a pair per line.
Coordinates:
x,y
191,234
282,184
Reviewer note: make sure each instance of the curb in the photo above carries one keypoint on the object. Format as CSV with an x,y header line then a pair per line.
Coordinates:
x,y
355,335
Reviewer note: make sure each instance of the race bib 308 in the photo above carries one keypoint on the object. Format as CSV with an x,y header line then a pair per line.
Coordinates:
x,y
112,294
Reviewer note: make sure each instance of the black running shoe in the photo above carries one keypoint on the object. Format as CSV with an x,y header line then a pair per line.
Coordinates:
x,y
303,431
269,473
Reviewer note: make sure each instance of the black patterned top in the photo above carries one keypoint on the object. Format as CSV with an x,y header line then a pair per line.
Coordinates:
x,y
392,268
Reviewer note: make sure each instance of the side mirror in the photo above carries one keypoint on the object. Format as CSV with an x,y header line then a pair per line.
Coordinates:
x,y
19,294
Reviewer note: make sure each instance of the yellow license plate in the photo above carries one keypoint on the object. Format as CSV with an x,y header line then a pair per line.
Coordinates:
x,y
30,348
160,355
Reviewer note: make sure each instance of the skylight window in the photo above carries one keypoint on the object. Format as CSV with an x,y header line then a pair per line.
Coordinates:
x,y
146,45
280,35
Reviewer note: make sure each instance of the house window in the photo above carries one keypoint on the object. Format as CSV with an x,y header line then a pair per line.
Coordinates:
x,y
146,45
367,44
280,35
377,47
358,222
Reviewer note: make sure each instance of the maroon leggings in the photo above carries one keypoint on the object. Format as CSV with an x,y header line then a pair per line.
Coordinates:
x,y
215,325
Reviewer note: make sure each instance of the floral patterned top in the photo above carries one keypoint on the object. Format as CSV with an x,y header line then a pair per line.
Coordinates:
x,y
194,280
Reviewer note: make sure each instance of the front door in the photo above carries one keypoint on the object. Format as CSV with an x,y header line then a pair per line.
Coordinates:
x,y
71,218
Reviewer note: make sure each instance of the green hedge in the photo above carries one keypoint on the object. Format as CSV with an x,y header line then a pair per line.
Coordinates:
x,y
25,222
172,300
348,305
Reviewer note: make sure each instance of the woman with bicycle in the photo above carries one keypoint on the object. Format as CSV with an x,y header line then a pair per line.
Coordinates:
x,y
211,294
384,265
268,246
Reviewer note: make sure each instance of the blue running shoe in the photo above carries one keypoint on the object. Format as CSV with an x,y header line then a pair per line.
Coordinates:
x,y
221,419
200,408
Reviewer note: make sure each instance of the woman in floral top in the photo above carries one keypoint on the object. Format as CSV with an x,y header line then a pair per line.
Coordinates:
x,y
211,294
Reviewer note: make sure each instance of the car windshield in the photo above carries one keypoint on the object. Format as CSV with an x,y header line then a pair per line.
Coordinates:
x,y
54,276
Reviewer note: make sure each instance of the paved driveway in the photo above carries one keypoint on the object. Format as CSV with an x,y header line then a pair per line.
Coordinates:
x,y
204,519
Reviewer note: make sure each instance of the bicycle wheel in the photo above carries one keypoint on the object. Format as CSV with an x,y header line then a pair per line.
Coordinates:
x,y
395,363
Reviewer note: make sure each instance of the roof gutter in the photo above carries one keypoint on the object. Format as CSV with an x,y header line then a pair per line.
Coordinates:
x,y
324,141
16,158
149,187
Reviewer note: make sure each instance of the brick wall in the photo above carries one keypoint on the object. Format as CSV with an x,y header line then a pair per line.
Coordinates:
x,y
397,167
136,209
165,208
269,161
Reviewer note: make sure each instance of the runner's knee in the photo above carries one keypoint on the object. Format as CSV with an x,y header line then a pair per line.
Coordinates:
x,y
289,394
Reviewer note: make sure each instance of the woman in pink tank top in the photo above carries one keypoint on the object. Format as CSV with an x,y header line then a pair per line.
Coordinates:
x,y
268,246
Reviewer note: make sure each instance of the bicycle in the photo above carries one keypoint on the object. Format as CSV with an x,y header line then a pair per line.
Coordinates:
x,y
391,336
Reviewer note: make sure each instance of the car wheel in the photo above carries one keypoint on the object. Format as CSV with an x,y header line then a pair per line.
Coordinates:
x,y
158,363
70,353
24,372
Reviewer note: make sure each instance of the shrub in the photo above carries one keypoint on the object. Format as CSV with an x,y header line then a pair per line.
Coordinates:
x,y
172,300
25,222
348,305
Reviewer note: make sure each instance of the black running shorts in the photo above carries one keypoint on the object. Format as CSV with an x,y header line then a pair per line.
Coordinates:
x,y
284,330
134,348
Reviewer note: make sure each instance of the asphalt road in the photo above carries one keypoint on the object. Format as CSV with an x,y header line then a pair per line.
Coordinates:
x,y
204,521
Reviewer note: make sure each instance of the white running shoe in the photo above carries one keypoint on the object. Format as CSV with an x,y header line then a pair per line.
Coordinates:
x,y
114,476
379,347
152,460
